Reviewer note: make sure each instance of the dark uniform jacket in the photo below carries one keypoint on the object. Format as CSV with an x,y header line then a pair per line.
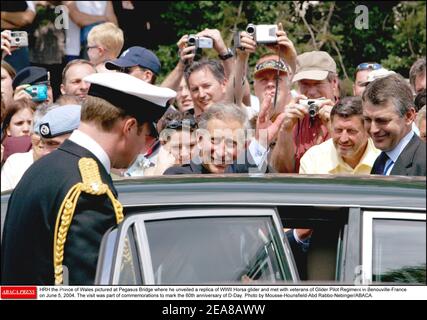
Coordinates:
x,y
412,160
27,244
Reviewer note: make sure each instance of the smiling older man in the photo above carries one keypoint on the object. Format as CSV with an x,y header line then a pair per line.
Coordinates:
x,y
349,151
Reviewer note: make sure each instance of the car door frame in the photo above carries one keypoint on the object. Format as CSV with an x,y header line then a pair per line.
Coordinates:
x,y
368,216
112,272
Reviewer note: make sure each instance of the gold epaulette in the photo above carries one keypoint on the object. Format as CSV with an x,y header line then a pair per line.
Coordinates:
x,y
92,184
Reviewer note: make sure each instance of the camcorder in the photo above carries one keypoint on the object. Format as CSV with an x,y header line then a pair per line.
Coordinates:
x,y
312,105
200,42
19,39
38,92
262,34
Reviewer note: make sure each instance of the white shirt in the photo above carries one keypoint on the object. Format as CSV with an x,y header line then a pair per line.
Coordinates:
x,y
31,6
72,39
395,153
94,8
14,168
85,141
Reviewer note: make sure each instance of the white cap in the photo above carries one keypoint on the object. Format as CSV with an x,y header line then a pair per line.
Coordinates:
x,y
136,97
133,86
377,74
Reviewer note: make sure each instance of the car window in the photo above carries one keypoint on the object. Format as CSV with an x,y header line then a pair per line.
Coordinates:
x,y
394,247
129,268
216,250
399,251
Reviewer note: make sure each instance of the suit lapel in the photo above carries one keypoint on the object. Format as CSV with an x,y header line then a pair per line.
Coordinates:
x,y
405,159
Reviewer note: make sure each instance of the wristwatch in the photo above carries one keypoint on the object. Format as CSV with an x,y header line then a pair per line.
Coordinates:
x,y
229,54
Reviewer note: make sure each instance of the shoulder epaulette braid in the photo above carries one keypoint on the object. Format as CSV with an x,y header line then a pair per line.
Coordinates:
x,y
91,184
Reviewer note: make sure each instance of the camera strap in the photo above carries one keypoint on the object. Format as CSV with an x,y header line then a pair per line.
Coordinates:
x,y
277,81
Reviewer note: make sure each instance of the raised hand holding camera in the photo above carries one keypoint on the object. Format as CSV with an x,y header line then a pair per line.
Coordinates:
x,y
200,42
263,33
186,51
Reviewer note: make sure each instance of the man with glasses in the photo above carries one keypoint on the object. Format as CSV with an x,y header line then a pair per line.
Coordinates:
x,y
138,62
361,76
142,64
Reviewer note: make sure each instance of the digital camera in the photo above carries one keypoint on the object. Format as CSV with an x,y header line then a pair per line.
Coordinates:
x,y
312,105
263,33
200,42
19,39
38,92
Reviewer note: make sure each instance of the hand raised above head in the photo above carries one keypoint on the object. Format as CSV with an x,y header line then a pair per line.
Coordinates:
x,y
265,122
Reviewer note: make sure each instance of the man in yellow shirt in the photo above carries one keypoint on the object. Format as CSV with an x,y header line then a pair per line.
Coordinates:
x,y
349,151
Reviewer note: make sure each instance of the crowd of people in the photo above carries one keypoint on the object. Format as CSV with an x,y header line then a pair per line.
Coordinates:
x,y
203,118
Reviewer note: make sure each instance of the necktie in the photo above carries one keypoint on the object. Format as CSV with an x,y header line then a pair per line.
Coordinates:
x,y
382,159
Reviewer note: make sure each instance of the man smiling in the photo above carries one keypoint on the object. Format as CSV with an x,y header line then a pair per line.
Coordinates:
x,y
207,83
350,151
388,112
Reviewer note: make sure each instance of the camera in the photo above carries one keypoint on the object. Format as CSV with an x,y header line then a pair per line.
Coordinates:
x,y
263,33
19,39
312,105
200,42
38,92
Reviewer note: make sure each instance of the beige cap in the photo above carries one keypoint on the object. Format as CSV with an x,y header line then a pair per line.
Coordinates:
x,y
314,65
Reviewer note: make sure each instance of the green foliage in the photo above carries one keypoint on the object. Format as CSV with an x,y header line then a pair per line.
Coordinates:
x,y
408,274
396,36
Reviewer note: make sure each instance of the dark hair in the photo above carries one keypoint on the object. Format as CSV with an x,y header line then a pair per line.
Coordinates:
x,y
175,120
420,100
392,88
417,68
213,65
347,107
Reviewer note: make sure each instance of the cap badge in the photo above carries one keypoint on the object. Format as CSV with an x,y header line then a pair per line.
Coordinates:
x,y
44,129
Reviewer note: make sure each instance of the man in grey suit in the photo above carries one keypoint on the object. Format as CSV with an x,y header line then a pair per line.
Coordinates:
x,y
388,111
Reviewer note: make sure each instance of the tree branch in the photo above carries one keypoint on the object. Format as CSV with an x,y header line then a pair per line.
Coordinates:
x,y
326,24
302,15
334,45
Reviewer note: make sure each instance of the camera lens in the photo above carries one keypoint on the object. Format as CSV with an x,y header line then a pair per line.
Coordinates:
x,y
312,110
191,40
17,40
250,29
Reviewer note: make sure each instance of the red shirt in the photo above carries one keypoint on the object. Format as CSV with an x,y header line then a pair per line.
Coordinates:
x,y
308,133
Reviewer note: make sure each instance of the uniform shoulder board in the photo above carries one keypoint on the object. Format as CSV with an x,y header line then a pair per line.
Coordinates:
x,y
92,184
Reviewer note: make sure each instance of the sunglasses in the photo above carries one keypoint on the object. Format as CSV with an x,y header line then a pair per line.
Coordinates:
x,y
367,65
178,124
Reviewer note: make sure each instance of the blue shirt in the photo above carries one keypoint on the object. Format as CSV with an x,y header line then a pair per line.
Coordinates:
x,y
395,153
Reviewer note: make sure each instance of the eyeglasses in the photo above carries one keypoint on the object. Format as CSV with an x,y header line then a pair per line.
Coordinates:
x,y
367,65
178,124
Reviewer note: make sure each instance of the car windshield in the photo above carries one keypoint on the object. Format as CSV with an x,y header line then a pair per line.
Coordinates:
x,y
215,250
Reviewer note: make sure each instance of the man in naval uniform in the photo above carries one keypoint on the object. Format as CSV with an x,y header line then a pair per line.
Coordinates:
x,y
66,201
